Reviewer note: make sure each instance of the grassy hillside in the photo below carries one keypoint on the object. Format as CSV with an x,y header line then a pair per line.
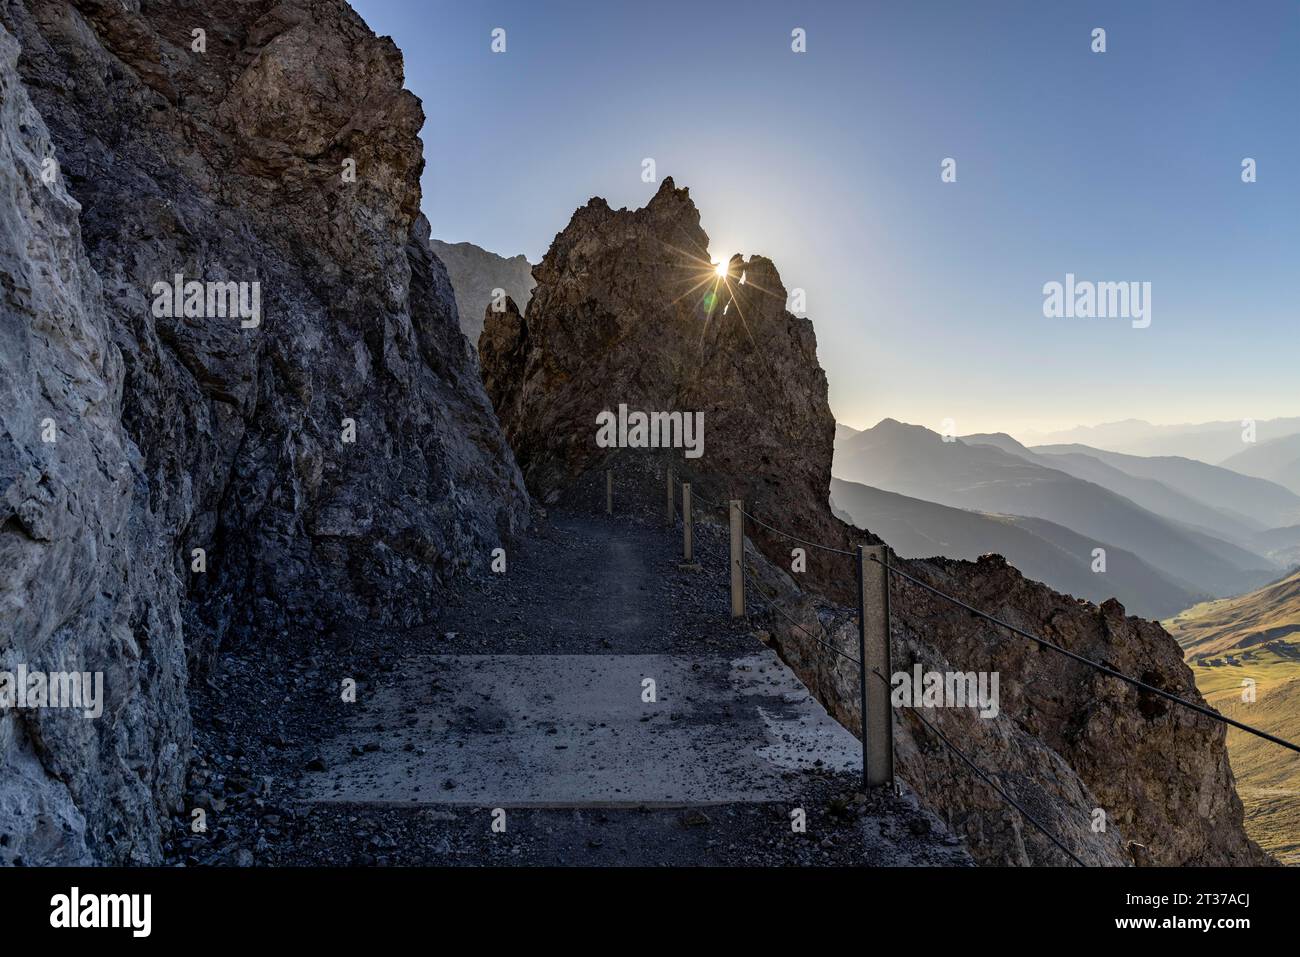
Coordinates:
x,y
1230,625
1255,636
1268,777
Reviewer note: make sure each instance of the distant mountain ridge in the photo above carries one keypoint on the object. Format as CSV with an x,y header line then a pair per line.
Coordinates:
x,y
1147,491
844,433
1280,544
1040,549
474,273
1277,460
1207,441
916,462
1220,486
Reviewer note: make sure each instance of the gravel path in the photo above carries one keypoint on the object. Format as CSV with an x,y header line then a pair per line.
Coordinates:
x,y
272,724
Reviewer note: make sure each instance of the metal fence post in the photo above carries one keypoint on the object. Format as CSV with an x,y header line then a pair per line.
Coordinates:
x,y
862,657
687,544
737,561
670,498
609,491
873,645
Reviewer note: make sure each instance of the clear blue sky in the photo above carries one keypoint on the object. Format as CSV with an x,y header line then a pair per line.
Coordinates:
x,y
927,297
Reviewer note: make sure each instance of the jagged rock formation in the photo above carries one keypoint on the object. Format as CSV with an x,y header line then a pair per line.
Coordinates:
x,y
621,314
629,310
475,273
177,433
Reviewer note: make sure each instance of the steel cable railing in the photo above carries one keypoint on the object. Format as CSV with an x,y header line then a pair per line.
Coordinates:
x,y
825,548
771,603
718,505
1105,669
1043,642
983,775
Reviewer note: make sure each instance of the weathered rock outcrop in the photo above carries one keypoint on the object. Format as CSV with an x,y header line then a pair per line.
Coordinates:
x,y
629,310
622,314
1068,741
475,274
226,161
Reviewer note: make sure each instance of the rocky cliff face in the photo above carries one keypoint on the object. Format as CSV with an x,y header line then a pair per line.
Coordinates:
x,y
87,585
627,310
475,274
334,456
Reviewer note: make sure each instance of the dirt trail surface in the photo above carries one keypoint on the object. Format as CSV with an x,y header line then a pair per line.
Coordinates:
x,y
528,695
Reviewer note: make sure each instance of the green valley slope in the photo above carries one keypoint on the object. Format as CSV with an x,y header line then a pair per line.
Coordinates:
x,y
1254,638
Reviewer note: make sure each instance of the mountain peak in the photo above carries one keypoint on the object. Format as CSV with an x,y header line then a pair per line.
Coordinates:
x,y
668,187
895,428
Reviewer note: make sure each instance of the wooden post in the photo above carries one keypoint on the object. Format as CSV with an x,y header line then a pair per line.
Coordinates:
x,y
609,491
687,544
671,516
737,561
873,645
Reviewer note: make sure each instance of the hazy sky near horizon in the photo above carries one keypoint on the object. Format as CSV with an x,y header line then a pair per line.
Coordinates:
x,y
927,297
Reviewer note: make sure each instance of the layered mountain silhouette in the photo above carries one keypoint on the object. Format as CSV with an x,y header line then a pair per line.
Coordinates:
x,y
1280,544
1041,549
844,433
1243,498
1149,493
1207,441
1277,460
1258,514
917,462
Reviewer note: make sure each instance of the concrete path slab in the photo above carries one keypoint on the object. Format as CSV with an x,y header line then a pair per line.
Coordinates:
x,y
573,731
